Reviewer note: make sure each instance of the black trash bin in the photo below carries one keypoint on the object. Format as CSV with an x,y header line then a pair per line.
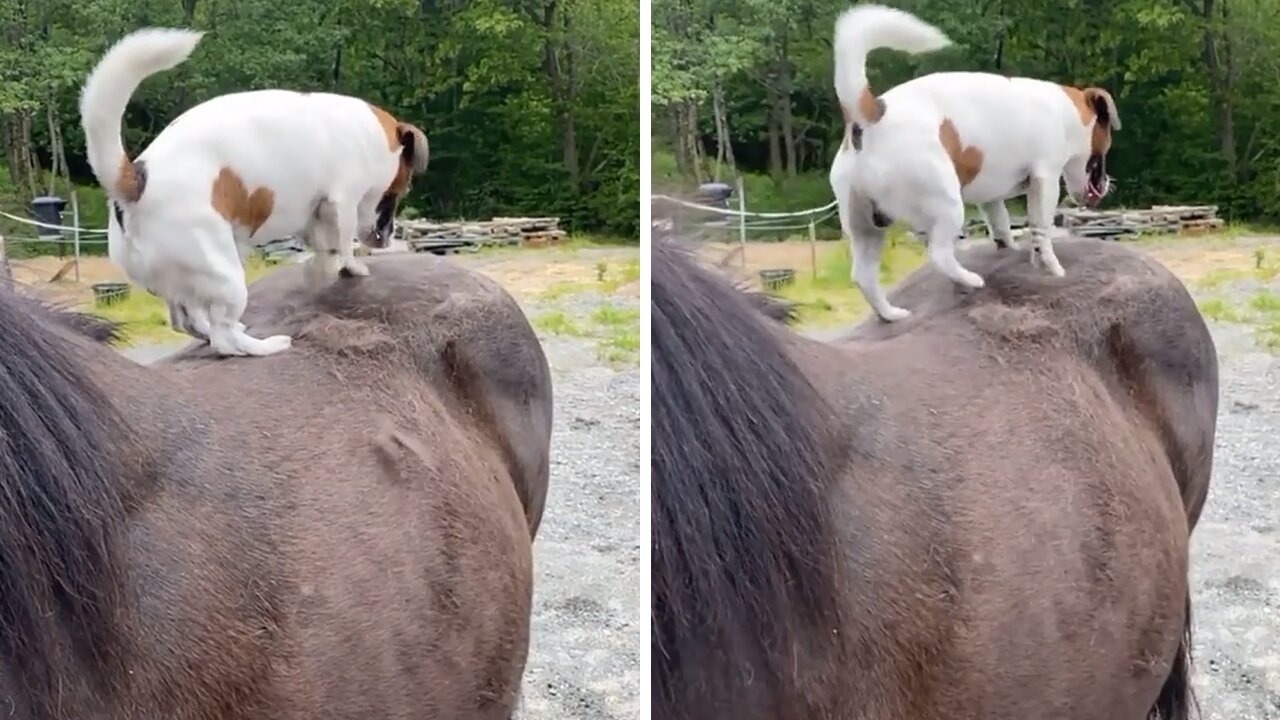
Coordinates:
x,y
48,209
715,194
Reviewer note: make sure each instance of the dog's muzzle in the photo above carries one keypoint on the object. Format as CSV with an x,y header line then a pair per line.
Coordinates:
x,y
385,225
379,237
1097,182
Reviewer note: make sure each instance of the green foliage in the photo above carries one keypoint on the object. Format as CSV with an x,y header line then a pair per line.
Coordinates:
x,y
510,132
1198,127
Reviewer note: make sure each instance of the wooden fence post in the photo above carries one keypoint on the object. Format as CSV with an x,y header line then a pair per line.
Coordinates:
x,y
6,275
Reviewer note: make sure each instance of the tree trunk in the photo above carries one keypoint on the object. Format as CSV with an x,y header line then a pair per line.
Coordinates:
x,y
785,116
24,165
692,141
558,66
775,133
676,130
57,153
1220,69
724,139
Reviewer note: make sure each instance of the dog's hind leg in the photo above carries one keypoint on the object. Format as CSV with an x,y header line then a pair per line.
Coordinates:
x,y
999,227
1042,200
866,240
347,223
227,334
181,320
321,235
942,247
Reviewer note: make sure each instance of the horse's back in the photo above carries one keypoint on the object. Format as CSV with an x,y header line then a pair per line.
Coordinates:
x,y
383,480
1048,443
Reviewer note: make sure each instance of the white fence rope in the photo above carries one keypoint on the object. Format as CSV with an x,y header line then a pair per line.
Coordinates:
x,y
738,213
64,228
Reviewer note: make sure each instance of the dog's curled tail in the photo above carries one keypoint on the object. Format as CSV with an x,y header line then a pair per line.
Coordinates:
x,y
864,28
107,91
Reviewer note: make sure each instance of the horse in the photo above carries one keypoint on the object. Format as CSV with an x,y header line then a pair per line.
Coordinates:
x,y
344,531
982,512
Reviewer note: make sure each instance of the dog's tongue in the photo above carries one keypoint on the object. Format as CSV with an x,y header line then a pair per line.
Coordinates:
x,y
1092,194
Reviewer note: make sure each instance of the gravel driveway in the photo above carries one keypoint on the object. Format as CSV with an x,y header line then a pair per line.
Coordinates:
x,y
587,628
1235,562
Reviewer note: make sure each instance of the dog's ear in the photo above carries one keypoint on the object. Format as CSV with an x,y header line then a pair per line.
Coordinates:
x,y
414,141
1102,103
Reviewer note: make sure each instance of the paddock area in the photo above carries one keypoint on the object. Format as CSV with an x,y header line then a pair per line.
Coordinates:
x,y
584,304
1235,280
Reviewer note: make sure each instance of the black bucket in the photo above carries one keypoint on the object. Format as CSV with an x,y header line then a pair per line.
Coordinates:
x,y
110,293
776,279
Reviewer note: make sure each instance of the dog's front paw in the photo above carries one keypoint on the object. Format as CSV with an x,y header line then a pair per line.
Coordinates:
x,y
1048,261
354,268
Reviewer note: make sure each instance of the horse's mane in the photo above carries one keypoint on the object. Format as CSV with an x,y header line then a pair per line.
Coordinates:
x,y
61,502
744,555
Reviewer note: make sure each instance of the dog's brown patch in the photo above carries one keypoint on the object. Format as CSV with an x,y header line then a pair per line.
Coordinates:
x,y
967,160
1076,95
131,179
871,107
234,202
390,126
401,182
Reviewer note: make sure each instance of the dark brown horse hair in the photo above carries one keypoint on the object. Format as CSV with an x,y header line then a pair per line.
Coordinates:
x,y
744,554
61,504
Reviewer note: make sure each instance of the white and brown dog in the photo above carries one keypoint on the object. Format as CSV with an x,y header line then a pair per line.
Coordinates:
x,y
236,169
923,150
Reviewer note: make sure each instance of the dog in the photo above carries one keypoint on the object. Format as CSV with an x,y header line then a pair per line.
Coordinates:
x,y
237,169
923,150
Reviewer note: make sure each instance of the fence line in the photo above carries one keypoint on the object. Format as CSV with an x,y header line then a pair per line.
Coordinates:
x,y
763,222
58,240
50,226
742,213
76,239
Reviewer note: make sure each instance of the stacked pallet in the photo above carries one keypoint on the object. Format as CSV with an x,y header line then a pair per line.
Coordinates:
x,y
1158,220
1126,224
427,235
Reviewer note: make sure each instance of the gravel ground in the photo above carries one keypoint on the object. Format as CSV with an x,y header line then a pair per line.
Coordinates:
x,y
1235,562
587,628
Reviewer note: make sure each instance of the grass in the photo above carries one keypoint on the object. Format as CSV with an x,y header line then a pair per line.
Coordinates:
x,y
144,318
608,280
556,322
1218,310
831,298
1261,312
615,331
